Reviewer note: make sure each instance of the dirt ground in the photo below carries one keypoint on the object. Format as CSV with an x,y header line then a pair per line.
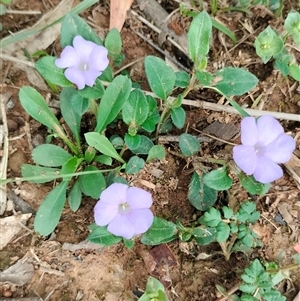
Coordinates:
x,y
65,267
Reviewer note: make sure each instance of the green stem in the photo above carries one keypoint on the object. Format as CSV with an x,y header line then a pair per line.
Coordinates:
x,y
66,140
163,115
287,268
93,107
53,177
231,101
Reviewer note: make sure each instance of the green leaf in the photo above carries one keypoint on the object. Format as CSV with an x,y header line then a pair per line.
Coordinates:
x,y
188,144
132,142
160,76
90,154
103,145
107,75
134,165
199,35
47,68
212,217
205,78
161,231
95,92
115,96
92,184
228,212
70,166
178,117
201,196
182,79
75,196
252,186
43,174
101,236
49,212
153,116
35,105
103,159
219,26
234,81
223,231
73,106
268,44
156,152
292,25
129,243
50,155
139,144
295,72
204,236
113,43
135,110
218,179
73,26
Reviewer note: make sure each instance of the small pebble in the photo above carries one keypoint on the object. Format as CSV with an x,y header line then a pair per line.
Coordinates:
x,y
10,104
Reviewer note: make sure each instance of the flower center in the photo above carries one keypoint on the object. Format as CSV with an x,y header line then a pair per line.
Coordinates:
x,y
84,66
124,208
259,148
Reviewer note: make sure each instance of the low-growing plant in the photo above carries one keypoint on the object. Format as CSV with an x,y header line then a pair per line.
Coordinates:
x,y
270,44
90,163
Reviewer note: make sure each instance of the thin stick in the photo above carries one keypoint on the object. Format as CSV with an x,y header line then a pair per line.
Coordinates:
x,y
23,12
157,30
214,137
162,51
195,103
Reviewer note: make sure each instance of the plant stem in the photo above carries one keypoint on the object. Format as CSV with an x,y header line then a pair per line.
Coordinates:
x,y
66,140
162,119
287,268
93,107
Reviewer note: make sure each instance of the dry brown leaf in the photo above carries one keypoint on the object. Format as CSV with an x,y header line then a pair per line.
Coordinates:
x,y
118,11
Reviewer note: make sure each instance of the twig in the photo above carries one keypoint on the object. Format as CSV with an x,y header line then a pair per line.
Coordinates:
x,y
4,159
23,12
229,293
128,65
162,52
214,137
196,103
157,30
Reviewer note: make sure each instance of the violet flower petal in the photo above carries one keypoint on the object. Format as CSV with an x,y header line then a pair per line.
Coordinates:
x,y
249,133
68,58
74,75
266,170
281,149
98,59
121,226
104,213
268,128
245,158
138,198
90,76
141,219
83,48
115,194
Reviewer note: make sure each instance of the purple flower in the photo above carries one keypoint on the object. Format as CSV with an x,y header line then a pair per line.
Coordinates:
x,y
264,145
125,210
85,61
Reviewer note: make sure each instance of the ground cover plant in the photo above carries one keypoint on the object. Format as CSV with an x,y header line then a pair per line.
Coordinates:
x,y
98,163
